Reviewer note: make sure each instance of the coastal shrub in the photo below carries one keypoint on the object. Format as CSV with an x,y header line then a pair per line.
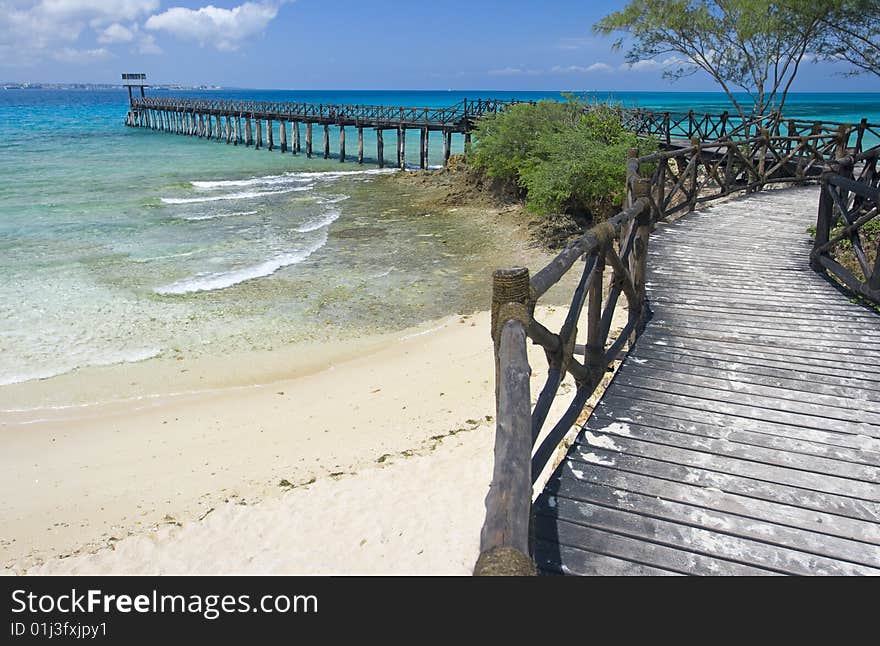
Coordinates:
x,y
563,157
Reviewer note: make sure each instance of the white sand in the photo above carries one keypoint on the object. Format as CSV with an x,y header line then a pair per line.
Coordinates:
x,y
395,445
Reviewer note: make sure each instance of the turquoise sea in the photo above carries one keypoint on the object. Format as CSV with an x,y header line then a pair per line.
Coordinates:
x,y
119,244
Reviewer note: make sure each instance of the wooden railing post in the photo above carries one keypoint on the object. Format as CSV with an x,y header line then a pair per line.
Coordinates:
x,y
505,537
823,222
692,201
863,125
842,138
636,188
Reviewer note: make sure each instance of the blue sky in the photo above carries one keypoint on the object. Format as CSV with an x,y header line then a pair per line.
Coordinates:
x,y
342,44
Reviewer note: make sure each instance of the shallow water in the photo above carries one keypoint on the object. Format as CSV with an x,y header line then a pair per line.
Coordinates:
x,y
120,244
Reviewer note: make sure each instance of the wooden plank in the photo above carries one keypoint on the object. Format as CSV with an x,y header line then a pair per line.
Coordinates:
x,y
568,536
696,363
857,531
758,348
762,355
700,541
600,433
727,523
753,405
839,486
717,478
695,419
836,405
552,558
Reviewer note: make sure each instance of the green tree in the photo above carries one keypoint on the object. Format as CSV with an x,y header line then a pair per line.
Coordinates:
x,y
851,32
750,46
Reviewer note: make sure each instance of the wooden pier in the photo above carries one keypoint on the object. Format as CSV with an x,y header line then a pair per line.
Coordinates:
x,y
741,433
285,125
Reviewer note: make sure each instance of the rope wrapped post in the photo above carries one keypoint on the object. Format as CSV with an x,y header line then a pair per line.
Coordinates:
x,y
504,540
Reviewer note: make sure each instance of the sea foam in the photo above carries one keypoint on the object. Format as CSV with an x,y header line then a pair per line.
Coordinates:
x,y
224,279
325,220
242,195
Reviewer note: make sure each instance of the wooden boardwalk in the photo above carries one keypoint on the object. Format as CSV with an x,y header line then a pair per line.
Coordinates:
x,y
742,434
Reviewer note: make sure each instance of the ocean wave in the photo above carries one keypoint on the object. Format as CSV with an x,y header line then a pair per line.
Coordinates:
x,y
324,220
112,358
286,178
334,199
253,181
214,216
222,280
243,195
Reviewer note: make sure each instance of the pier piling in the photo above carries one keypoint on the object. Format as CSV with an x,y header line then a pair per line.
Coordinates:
x,y
326,141
309,140
282,135
380,148
360,145
270,144
341,144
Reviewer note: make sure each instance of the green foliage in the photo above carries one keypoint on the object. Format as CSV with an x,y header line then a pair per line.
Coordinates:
x,y
565,157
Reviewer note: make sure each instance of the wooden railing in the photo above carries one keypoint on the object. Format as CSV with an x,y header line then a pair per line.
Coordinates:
x,y
659,186
455,115
848,206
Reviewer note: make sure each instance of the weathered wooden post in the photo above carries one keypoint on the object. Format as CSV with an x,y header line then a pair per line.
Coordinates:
x,y
282,135
842,138
863,125
380,148
504,539
219,127
295,147
823,222
401,147
636,188
258,132
235,134
270,143
248,131
423,148
228,129
201,125
692,201
762,159
309,139
326,141
360,145
447,146
341,144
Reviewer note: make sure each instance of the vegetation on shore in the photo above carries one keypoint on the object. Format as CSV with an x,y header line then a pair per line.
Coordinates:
x,y
565,161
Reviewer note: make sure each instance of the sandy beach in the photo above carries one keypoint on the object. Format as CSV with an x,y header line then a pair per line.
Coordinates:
x,y
372,460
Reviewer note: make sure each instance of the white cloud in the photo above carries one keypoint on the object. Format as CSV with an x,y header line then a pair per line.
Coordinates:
x,y
649,64
514,71
116,33
224,29
147,46
582,69
80,56
32,30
